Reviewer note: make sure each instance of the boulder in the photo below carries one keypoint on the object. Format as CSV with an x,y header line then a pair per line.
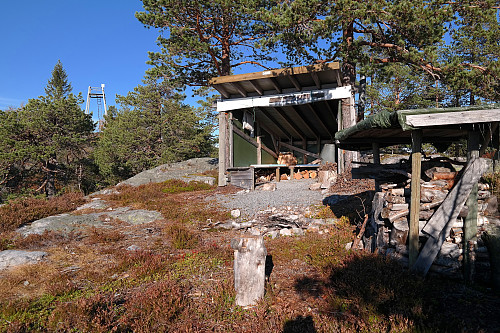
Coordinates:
x,y
13,258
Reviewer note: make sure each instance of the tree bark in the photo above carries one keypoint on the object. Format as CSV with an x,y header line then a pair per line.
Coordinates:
x,y
50,179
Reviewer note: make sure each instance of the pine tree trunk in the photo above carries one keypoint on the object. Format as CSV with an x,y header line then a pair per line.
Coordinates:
x,y
349,78
50,178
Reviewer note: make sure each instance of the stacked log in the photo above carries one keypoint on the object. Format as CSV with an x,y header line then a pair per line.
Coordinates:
x,y
390,209
305,174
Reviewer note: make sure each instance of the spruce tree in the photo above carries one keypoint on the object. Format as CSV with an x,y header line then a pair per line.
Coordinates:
x,y
58,86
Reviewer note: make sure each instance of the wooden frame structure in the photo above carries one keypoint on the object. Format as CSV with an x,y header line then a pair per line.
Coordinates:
x,y
294,109
479,125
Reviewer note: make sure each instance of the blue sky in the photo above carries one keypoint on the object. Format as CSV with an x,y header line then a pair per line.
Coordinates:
x,y
96,41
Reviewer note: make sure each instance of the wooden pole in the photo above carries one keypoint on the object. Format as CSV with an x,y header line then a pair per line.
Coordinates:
x,y
222,148
231,141
259,146
470,222
416,164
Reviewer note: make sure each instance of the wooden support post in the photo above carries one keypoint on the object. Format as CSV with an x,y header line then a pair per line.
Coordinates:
x,y
231,141
259,146
376,160
222,148
470,222
416,165
249,269
278,175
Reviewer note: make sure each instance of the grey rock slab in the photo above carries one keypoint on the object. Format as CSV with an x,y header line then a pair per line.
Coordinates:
x,y
185,171
63,222
137,216
12,258
94,204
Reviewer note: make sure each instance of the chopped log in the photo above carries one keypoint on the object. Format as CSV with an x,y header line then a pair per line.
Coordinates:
x,y
439,225
283,177
396,206
395,199
393,216
428,195
444,175
249,269
377,207
425,210
483,194
483,187
313,174
456,231
297,175
430,172
425,214
400,192
305,175
399,232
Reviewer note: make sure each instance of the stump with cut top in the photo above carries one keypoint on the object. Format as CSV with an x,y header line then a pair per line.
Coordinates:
x,y
249,269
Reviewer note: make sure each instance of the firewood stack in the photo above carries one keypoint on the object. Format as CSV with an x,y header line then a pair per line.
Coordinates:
x,y
390,211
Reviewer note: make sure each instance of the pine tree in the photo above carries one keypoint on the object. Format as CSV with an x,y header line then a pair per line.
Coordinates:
x,y
58,86
152,127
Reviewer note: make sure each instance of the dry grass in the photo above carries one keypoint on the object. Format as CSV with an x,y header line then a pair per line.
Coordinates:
x,y
181,280
22,211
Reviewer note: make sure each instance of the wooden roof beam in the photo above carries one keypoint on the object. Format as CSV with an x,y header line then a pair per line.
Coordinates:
x,y
321,123
305,123
315,78
256,86
277,124
294,81
240,89
275,84
290,123
221,90
331,112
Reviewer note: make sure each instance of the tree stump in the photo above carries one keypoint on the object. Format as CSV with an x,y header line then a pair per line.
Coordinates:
x,y
249,269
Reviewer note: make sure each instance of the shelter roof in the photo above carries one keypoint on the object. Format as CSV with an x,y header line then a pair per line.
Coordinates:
x,y
438,125
277,81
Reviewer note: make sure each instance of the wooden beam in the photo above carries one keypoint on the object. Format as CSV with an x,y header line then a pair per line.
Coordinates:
x,y
330,111
305,123
256,86
222,91
439,225
321,123
289,123
331,66
275,85
453,118
253,142
275,123
222,148
240,89
315,78
416,166
470,221
295,83
259,149
339,79
302,151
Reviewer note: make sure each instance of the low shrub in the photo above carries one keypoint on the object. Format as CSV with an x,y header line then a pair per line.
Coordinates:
x,y
22,211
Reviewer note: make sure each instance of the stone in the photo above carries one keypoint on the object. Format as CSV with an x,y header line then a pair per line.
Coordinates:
x,y
134,248
62,223
268,187
13,258
235,213
315,186
285,232
297,231
137,216
96,203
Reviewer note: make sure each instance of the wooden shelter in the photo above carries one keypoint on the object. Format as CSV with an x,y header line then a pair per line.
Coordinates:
x,y
293,109
479,125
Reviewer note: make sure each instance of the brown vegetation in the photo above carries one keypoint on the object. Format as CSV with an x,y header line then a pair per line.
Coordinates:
x,y
179,279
